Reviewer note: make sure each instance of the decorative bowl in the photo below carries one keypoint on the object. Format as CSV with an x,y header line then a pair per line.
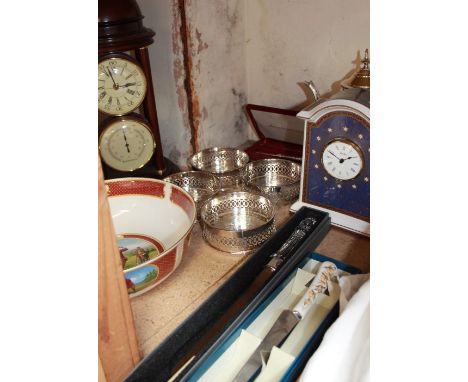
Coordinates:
x,y
237,222
153,221
279,179
224,162
201,185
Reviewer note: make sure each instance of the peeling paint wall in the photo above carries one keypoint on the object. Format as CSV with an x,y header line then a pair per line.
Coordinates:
x,y
199,96
288,42
217,55
219,81
166,55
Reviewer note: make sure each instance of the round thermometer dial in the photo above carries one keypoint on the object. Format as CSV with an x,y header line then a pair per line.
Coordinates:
x,y
342,159
121,85
126,144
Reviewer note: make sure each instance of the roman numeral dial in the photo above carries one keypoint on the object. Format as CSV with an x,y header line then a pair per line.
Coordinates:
x,y
121,85
342,159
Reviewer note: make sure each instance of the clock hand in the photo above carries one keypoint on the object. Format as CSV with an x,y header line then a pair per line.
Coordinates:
x,y
126,143
335,156
341,160
110,73
127,85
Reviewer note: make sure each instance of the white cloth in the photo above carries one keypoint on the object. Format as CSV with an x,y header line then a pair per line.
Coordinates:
x,y
343,355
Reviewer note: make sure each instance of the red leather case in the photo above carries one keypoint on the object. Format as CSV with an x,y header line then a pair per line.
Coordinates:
x,y
280,133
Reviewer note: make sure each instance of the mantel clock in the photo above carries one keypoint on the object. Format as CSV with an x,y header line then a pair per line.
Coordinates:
x,y
336,154
129,139
336,159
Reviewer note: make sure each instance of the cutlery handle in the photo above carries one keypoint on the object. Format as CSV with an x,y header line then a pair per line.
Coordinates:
x,y
303,229
319,285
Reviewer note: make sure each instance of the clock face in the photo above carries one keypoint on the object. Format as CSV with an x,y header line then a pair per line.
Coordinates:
x,y
342,159
121,85
126,143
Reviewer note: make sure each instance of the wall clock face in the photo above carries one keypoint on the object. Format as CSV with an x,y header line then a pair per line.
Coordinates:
x,y
121,85
126,143
342,159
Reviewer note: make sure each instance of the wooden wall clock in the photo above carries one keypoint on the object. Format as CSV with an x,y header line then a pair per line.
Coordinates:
x,y
129,139
336,159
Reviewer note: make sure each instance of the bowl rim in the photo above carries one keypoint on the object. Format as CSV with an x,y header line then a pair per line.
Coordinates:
x,y
257,162
224,195
176,244
249,167
274,160
218,149
211,175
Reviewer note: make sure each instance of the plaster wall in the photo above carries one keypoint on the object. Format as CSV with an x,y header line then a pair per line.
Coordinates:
x,y
291,41
245,51
218,71
199,96
166,55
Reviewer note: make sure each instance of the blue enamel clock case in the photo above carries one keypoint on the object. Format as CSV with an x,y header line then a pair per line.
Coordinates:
x,y
333,129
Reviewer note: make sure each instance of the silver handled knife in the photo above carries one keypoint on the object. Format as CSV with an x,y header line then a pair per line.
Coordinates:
x,y
287,320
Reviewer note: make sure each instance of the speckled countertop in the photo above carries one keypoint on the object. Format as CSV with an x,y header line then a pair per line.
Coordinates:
x,y
158,312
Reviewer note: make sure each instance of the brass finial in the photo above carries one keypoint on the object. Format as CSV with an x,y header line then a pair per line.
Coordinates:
x,y
362,78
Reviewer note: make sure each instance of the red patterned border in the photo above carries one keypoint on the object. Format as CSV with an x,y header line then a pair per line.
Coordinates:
x,y
180,198
153,241
166,263
187,241
151,187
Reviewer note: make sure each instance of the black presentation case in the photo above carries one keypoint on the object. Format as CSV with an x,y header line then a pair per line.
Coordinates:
x,y
160,364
